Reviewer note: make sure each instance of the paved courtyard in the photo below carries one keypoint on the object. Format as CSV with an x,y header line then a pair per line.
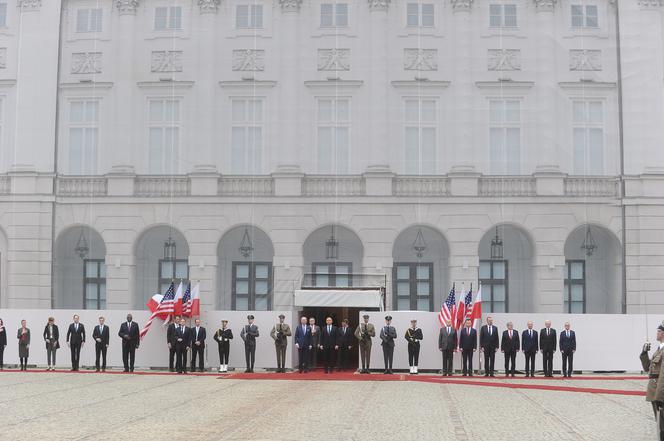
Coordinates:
x,y
64,406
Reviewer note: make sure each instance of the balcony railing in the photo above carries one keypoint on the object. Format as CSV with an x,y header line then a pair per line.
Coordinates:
x,y
421,186
81,186
592,186
343,281
245,186
333,186
507,186
162,186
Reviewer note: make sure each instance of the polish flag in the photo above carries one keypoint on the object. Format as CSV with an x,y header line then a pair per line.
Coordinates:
x,y
154,302
476,313
196,301
460,311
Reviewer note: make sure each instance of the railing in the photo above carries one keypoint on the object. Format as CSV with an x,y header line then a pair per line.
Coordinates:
x,y
343,281
507,186
162,186
245,186
333,186
5,185
421,186
81,186
592,186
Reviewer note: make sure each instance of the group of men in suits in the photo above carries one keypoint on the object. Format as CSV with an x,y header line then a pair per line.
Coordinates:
x,y
332,341
509,343
180,340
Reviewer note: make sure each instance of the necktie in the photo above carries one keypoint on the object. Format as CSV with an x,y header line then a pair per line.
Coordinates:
x,y
547,331
490,329
530,333
76,327
329,329
510,335
567,334
448,329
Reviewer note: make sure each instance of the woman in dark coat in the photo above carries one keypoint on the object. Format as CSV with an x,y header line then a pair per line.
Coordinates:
x,y
51,337
23,336
3,343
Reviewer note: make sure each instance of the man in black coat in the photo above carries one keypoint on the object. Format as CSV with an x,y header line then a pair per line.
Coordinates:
x,y
170,341
130,335
547,344
489,343
75,341
328,344
567,348
468,345
509,345
182,337
101,334
447,344
530,346
345,340
197,346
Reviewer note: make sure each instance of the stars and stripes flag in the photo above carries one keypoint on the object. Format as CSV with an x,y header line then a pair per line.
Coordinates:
x,y
164,308
476,313
468,303
448,310
186,301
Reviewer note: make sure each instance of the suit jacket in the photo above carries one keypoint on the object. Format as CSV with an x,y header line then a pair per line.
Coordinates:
x,y
129,335
104,334
328,339
345,338
223,335
76,337
365,337
508,344
467,342
182,333
303,336
567,344
249,334
200,337
170,334
528,343
315,335
55,337
447,341
547,342
279,333
489,342
387,335
3,336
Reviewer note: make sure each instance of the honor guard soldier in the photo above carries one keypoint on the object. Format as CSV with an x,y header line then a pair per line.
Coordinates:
x,y
364,333
413,336
387,335
249,334
279,333
655,389
223,337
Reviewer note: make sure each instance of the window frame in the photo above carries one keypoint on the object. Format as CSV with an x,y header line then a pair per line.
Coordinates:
x,y
334,15
587,126
251,284
584,16
163,281
332,273
89,28
247,123
421,126
419,15
491,282
334,125
252,16
164,125
89,161
412,281
97,281
169,18
568,283
502,16
505,126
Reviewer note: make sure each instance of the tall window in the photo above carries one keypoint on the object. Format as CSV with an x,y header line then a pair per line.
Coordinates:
x,y
3,14
501,15
333,15
83,137
420,136
164,129
88,20
170,270
333,135
167,18
493,277
419,14
249,16
413,286
575,286
588,137
505,137
584,16
252,286
247,135
94,284
332,274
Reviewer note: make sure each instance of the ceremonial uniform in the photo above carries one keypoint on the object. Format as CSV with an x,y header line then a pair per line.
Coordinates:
x,y
279,334
655,390
413,337
364,333
249,334
387,334
223,337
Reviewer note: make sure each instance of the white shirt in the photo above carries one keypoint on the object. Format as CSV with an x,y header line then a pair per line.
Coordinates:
x,y
490,327
329,328
197,328
567,333
101,329
661,346
510,332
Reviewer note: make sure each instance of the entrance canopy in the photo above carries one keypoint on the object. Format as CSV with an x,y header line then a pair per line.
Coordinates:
x,y
352,298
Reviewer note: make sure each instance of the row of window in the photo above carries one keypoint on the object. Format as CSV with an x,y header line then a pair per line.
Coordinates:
x,y
413,283
421,136
332,15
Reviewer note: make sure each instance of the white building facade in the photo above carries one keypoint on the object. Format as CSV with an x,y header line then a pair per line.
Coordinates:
x,y
247,144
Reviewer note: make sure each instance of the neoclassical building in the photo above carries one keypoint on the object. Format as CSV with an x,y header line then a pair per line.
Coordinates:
x,y
263,146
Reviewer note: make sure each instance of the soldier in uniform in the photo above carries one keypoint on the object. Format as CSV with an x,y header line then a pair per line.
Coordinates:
x,y
279,333
249,334
364,333
655,389
223,337
413,336
387,334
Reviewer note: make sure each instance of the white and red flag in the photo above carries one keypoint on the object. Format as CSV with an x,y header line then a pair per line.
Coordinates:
x,y
476,313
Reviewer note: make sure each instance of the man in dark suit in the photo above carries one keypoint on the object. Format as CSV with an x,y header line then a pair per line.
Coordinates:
x,y
248,335
447,344
129,333
328,344
489,344
101,335
567,348
303,345
315,342
468,345
75,341
170,341
547,344
509,345
197,346
345,340
387,334
182,337
530,346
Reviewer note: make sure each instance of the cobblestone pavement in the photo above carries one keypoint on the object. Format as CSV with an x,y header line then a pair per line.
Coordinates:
x,y
56,406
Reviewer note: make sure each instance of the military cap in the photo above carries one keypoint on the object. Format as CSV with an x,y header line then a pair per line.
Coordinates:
x,y
388,317
282,316
365,316
250,317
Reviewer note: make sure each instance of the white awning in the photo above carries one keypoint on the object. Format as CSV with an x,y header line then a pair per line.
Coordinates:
x,y
352,298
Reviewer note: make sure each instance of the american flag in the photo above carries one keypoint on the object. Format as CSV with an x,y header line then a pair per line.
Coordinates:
x,y
186,301
447,311
166,307
468,301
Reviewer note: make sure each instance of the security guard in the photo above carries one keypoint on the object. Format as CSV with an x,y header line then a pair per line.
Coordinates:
x,y
655,390
387,334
